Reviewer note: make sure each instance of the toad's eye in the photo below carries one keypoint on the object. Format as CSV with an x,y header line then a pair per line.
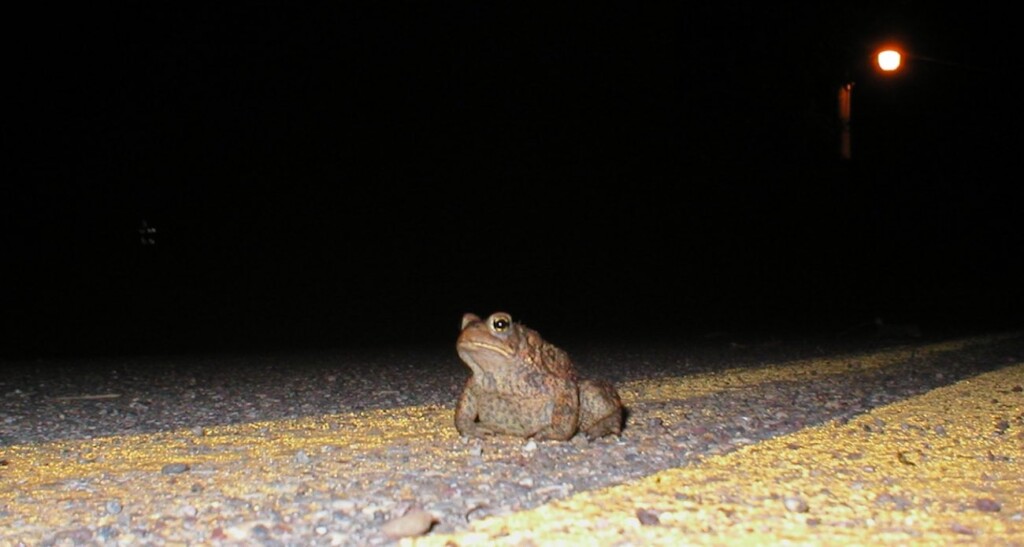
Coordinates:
x,y
501,323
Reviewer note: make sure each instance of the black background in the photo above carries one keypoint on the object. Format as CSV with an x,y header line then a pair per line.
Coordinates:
x,y
366,173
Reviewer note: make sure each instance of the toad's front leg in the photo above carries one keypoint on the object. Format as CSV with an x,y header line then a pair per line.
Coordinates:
x,y
466,413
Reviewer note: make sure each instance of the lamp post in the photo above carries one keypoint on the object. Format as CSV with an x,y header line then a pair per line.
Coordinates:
x,y
845,96
888,59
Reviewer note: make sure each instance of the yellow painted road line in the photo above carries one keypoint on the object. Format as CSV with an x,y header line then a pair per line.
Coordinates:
x,y
942,468
71,478
50,486
699,385
33,465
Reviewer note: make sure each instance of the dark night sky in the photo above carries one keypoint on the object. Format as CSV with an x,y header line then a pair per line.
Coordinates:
x,y
367,173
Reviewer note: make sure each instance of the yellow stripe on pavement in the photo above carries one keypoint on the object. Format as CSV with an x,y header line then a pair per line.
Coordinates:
x,y
699,385
941,468
44,465
246,459
37,464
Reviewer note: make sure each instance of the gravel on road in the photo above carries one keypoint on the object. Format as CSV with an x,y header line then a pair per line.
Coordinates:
x,y
336,447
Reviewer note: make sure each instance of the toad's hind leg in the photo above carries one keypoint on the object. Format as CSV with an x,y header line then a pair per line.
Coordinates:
x,y
600,409
564,411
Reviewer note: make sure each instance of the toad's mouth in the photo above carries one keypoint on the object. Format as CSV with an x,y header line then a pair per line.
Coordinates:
x,y
500,350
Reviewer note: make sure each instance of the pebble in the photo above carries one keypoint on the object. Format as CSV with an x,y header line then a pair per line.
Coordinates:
x,y
174,468
648,517
961,529
106,533
260,531
988,505
795,504
414,523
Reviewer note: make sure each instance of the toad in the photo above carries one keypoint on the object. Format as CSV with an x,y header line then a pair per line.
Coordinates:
x,y
523,386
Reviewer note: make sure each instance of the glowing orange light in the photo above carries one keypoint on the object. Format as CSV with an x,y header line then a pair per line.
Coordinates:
x,y
889,60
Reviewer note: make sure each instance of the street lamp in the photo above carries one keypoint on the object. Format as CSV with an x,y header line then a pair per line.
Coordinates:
x,y
888,59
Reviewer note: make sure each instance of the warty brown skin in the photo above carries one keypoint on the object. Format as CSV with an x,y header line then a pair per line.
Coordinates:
x,y
523,386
